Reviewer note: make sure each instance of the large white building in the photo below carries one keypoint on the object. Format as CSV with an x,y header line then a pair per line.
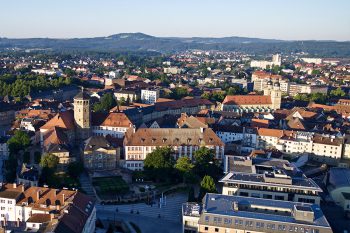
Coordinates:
x,y
276,61
149,96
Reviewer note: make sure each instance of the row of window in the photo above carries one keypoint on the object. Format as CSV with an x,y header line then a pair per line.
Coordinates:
x,y
8,202
258,225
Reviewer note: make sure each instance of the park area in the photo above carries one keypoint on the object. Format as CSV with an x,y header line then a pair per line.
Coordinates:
x,y
106,186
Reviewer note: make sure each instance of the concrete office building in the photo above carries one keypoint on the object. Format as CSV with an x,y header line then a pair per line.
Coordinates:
x,y
234,214
269,179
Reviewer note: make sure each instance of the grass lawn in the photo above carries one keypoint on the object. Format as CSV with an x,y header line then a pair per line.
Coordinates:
x,y
110,185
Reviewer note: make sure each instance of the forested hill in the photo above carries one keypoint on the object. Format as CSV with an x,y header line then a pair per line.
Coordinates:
x,y
143,42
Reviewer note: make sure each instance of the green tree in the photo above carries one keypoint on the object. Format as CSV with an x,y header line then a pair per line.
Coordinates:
x,y
207,186
19,141
159,164
315,72
185,167
337,92
318,98
302,97
178,93
49,161
106,103
184,164
205,163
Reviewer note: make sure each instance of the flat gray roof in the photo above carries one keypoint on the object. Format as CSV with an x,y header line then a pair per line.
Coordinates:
x,y
219,204
258,179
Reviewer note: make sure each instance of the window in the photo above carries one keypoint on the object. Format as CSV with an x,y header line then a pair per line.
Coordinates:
x,y
207,218
206,228
216,229
227,221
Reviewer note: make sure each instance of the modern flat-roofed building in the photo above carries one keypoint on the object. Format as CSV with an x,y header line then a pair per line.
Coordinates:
x,y
273,179
234,214
149,96
338,186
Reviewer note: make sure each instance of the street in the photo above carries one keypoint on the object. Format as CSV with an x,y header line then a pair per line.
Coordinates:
x,y
148,216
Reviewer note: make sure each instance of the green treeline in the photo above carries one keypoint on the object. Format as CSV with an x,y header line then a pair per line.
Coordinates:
x,y
22,85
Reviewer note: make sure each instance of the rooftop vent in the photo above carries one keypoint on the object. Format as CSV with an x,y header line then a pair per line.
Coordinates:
x,y
303,213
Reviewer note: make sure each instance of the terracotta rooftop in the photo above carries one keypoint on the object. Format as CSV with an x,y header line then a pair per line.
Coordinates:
x,y
173,137
247,100
62,119
115,119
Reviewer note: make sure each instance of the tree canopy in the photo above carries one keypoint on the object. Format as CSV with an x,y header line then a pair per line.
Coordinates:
x,y
19,141
159,164
185,167
178,93
106,103
207,186
22,85
337,92
49,161
205,163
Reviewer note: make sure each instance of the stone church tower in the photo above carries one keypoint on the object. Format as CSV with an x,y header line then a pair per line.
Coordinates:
x,y
274,91
82,115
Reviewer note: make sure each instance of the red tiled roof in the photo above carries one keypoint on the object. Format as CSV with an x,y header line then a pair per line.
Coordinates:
x,y
63,120
247,99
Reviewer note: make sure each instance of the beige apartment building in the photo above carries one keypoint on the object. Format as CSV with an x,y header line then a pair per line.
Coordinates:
x,y
321,147
183,141
99,154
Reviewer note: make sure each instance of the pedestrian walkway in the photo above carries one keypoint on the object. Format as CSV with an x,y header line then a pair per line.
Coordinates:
x,y
171,210
86,185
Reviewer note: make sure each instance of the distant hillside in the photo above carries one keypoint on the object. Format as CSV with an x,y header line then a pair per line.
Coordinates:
x,y
143,42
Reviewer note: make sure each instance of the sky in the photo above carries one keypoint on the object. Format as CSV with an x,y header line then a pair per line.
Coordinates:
x,y
275,19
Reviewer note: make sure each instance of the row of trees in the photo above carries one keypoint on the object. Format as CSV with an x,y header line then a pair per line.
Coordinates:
x,y
49,175
22,85
20,141
160,165
319,97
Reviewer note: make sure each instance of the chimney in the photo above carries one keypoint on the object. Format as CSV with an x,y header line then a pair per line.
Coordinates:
x,y
22,188
37,195
235,206
202,130
63,198
14,185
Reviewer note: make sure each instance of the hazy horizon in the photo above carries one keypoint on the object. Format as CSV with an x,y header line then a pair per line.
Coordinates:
x,y
269,19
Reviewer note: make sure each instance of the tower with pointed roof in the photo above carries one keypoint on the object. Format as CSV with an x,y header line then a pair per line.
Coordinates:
x,y
82,115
